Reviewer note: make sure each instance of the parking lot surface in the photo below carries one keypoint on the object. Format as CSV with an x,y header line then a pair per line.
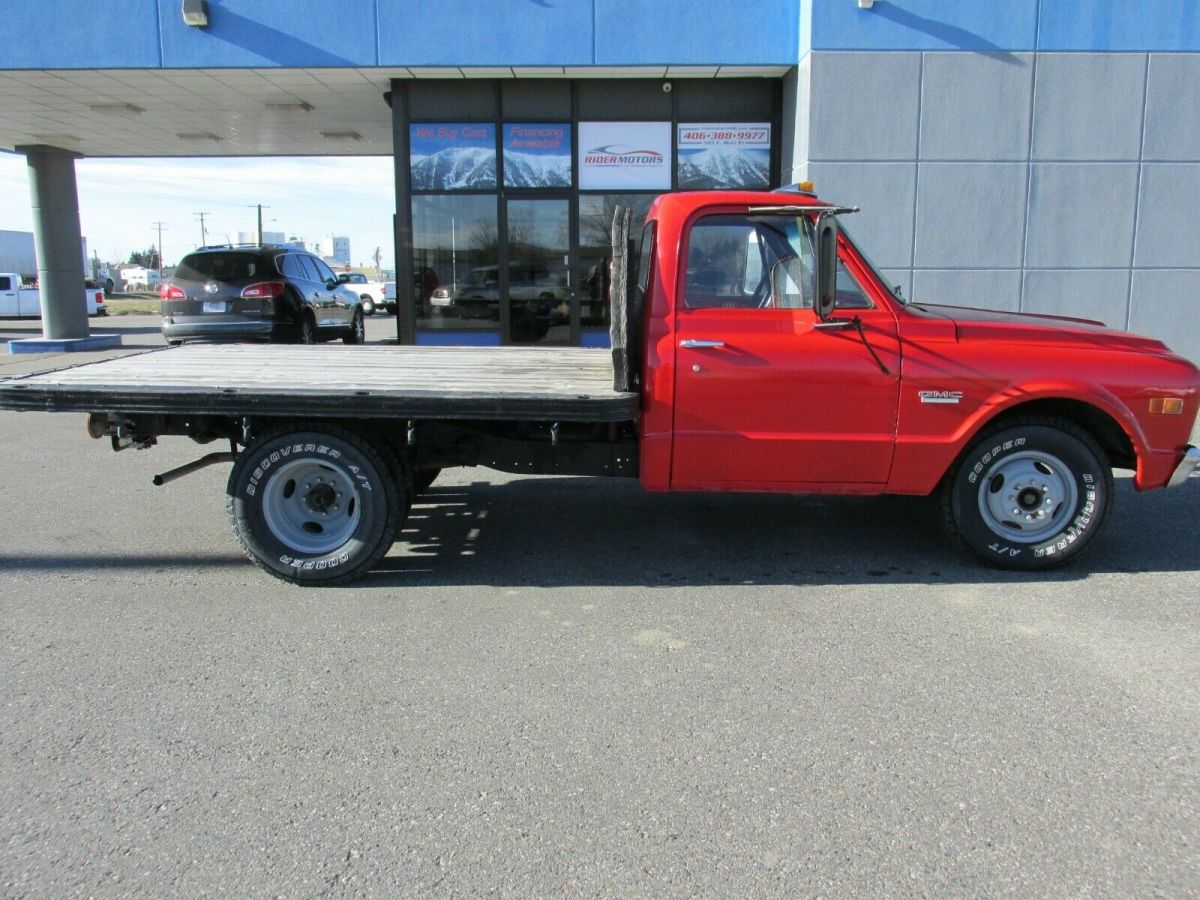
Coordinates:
x,y
567,686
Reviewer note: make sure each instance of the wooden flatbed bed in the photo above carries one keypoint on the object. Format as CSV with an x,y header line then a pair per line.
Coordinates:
x,y
493,383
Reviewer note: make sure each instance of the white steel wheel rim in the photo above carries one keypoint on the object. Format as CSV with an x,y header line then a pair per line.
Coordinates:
x,y
311,506
1027,497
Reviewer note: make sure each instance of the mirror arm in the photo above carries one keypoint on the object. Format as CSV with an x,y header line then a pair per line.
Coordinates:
x,y
834,325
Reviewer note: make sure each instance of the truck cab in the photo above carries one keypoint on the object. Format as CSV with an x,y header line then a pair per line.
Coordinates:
x,y
777,358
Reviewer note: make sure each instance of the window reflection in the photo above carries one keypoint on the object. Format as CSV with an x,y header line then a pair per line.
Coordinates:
x,y
539,283
455,250
595,251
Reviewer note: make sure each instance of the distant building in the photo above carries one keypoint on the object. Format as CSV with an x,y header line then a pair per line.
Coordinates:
x,y
251,237
335,247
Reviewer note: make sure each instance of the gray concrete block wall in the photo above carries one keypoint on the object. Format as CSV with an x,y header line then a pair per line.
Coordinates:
x,y
1061,183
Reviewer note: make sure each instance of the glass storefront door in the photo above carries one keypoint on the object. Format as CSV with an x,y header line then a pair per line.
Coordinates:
x,y
539,291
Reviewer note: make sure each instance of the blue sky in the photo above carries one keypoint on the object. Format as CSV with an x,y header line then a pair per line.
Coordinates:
x,y
120,199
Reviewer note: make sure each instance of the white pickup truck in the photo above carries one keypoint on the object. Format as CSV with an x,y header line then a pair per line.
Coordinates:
x,y
374,294
16,300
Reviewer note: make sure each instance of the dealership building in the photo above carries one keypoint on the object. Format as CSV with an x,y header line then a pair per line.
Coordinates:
x,y
1032,155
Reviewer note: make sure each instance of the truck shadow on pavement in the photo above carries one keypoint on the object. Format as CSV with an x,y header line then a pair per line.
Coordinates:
x,y
565,532
568,532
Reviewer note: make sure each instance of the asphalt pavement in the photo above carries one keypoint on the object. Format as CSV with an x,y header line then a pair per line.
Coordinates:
x,y
559,686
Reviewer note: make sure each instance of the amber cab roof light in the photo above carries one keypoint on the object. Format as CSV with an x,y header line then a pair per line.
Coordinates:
x,y
800,187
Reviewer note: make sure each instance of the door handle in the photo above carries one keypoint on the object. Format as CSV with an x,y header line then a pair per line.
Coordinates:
x,y
692,343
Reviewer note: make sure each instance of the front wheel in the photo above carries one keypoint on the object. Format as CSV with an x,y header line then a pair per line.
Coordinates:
x,y
358,331
1032,495
314,506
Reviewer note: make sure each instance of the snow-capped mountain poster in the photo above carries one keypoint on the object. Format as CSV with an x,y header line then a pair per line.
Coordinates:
x,y
724,156
537,155
452,157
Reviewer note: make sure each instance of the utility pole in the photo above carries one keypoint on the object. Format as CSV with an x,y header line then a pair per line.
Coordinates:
x,y
203,230
260,208
160,226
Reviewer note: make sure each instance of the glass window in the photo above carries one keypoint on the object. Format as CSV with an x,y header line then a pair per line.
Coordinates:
x,y
732,259
221,266
539,284
324,273
309,266
849,294
595,250
289,265
5,283
456,263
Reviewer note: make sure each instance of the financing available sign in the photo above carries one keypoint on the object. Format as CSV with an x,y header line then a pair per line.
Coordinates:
x,y
537,155
724,156
624,156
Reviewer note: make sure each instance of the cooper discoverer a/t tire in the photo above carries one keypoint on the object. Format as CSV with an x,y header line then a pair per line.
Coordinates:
x,y
1029,495
314,506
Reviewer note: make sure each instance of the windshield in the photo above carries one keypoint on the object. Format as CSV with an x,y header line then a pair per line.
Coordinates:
x,y
219,267
888,285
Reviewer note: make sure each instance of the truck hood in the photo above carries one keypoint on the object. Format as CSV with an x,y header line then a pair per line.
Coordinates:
x,y
998,325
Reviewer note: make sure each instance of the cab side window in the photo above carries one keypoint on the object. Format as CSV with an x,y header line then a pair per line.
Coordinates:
x,y
732,260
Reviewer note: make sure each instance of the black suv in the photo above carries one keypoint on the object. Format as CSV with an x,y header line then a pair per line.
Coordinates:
x,y
260,292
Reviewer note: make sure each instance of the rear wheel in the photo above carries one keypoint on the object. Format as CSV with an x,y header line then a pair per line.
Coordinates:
x,y
307,333
1031,495
314,506
358,331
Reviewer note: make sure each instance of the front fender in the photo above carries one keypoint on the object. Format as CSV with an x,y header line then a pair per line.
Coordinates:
x,y
930,443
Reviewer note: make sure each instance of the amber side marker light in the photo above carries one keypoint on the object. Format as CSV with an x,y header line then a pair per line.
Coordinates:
x,y
1167,406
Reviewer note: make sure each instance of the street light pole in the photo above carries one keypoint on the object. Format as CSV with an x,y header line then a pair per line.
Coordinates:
x,y
160,226
203,230
260,208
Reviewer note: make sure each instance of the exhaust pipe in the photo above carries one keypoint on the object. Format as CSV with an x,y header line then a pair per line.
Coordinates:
x,y
195,466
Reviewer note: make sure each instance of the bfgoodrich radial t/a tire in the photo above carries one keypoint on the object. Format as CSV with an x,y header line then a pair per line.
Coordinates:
x,y
1032,495
314,506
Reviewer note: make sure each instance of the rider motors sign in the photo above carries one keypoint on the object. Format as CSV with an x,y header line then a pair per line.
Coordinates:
x,y
624,156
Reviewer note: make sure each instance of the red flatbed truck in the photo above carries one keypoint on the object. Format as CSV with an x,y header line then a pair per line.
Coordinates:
x,y
755,348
